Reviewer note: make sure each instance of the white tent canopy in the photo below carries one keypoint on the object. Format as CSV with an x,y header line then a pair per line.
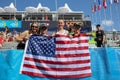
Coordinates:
x,y
31,9
64,9
39,6
1,10
10,8
42,9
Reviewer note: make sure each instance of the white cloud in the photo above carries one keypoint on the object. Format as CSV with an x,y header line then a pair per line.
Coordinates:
x,y
107,22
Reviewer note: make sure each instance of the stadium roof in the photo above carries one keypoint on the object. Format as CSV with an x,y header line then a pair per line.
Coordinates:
x,y
39,9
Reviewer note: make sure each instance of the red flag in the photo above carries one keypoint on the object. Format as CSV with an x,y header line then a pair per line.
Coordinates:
x,y
104,4
116,1
99,5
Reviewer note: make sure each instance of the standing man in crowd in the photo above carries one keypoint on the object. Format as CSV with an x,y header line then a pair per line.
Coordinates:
x,y
100,36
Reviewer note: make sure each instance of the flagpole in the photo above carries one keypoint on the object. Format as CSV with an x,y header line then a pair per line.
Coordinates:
x,y
95,17
15,2
16,8
56,8
92,16
95,11
105,15
92,19
105,6
56,5
99,10
111,16
117,15
100,16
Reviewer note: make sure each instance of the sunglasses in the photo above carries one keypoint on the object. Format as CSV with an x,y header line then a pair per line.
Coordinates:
x,y
35,26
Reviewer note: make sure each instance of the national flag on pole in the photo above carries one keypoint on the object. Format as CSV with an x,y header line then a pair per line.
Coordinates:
x,y
63,58
111,1
93,10
99,5
116,1
104,4
95,6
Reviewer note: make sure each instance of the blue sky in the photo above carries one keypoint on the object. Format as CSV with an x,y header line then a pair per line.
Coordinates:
x,y
76,5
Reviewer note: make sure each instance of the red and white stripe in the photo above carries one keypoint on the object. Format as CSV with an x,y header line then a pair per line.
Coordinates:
x,y
72,60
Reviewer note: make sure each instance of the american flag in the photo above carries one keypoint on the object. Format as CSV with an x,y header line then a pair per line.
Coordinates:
x,y
62,57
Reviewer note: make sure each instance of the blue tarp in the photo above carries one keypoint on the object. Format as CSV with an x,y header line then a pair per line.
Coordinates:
x,y
105,64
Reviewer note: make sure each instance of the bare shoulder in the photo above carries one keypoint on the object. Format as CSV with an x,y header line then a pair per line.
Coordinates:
x,y
25,32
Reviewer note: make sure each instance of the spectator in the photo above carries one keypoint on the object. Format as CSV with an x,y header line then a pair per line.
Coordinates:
x,y
8,35
7,30
34,29
72,31
16,34
69,25
1,39
100,36
43,31
77,30
61,29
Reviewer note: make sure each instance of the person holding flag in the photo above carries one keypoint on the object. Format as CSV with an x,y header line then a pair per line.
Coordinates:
x,y
61,29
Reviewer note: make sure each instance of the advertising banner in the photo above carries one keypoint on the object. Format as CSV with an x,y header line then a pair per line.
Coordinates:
x,y
10,23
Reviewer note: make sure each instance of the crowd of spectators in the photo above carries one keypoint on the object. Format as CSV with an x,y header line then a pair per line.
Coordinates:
x,y
19,37
8,36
